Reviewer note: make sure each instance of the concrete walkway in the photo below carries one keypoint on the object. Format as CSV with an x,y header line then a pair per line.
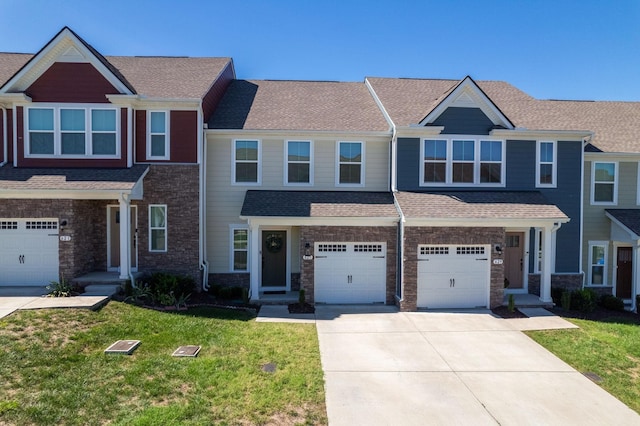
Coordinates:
x,y
17,298
384,367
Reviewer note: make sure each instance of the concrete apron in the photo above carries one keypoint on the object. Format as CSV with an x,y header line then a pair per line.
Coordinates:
x,y
467,367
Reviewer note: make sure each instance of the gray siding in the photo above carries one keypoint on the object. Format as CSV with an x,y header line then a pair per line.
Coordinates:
x,y
408,164
464,121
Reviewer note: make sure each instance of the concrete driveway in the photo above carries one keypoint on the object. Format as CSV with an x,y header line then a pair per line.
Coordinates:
x,y
383,367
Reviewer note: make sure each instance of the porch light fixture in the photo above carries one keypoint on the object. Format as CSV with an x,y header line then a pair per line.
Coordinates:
x,y
63,223
498,249
307,252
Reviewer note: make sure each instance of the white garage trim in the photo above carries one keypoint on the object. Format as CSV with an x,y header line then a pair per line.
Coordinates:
x,y
28,252
350,272
454,276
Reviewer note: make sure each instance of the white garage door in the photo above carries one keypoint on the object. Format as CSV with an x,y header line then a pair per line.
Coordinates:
x,y
453,276
28,252
350,272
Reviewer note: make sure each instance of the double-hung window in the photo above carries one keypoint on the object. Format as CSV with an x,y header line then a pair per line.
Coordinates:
x,y
158,141
158,228
604,178
246,161
299,163
239,249
546,168
71,132
462,162
598,262
350,164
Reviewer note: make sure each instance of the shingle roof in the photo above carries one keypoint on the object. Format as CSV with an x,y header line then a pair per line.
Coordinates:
x,y
319,204
298,105
161,77
628,217
93,179
478,205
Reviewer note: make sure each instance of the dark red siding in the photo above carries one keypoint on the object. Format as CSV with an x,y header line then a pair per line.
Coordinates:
x,y
123,134
215,93
70,82
141,136
184,136
2,140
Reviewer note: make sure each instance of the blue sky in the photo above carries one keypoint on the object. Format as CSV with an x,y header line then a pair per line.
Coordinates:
x,y
551,49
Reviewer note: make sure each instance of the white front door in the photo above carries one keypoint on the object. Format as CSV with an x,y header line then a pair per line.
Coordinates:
x,y
28,252
350,272
453,276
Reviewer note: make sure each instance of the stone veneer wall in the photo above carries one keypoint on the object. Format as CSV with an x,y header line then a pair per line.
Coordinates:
x,y
567,282
433,235
313,234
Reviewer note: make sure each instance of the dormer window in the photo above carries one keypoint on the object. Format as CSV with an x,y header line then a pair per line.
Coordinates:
x,y
71,132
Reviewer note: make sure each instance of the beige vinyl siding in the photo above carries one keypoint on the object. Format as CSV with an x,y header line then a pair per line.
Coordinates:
x,y
597,227
224,199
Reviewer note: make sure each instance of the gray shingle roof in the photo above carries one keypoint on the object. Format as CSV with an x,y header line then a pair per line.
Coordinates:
x,y
628,217
319,204
298,105
478,205
71,179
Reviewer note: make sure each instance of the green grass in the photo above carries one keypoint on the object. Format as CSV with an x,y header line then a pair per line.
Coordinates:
x,y
609,349
54,370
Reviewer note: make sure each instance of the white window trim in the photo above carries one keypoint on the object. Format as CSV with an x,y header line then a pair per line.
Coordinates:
x,y
167,143
537,252
166,228
477,142
232,250
57,131
615,184
286,163
362,166
233,163
554,165
605,268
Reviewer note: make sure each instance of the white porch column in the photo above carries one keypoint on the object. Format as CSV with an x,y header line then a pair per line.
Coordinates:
x,y
125,237
255,260
545,273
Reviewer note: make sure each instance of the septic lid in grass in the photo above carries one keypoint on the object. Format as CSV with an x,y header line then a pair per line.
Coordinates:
x,y
190,351
125,347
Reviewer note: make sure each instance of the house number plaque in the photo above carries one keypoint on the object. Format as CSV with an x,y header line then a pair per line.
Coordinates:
x,y
498,261
65,237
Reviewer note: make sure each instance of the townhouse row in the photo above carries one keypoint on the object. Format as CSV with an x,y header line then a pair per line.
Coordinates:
x,y
417,192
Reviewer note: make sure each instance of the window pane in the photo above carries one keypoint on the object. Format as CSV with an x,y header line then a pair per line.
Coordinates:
x,y
605,172
41,143
104,143
158,217
73,143
157,146
435,150
246,172
103,120
299,151
247,150
158,239
603,192
546,173
490,172
463,151
72,119
351,152
240,238
490,151
240,260
435,172
597,255
597,275
40,119
546,152
158,122
463,172
350,173
298,173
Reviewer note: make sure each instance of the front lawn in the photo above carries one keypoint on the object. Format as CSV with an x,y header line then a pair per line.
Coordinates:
x,y
53,369
609,348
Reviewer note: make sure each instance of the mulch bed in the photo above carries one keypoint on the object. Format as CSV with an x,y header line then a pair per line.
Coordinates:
x,y
503,311
297,308
196,300
599,314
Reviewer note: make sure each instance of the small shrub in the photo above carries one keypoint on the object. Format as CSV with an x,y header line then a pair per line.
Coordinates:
x,y
229,293
214,290
301,297
584,300
512,303
566,300
611,302
556,295
128,288
59,289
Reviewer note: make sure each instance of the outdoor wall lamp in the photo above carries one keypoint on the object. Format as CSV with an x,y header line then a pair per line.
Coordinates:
x,y
498,249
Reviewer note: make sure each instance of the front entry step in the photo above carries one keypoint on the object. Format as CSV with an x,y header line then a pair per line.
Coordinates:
x,y
101,289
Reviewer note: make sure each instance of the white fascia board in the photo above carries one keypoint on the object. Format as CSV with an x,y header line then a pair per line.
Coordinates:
x,y
335,134
632,234
112,194
419,131
527,134
485,223
7,100
320,221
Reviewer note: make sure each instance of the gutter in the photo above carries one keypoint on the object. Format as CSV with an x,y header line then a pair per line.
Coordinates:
x,y
400,259
202,210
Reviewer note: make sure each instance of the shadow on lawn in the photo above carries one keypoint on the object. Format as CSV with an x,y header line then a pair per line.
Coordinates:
x,y
600,314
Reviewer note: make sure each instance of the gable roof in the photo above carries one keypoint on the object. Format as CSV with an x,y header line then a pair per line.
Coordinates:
x,y
298,105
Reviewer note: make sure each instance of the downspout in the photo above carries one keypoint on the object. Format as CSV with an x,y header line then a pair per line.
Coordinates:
x,y
400,260
585,142
204,265
5,148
